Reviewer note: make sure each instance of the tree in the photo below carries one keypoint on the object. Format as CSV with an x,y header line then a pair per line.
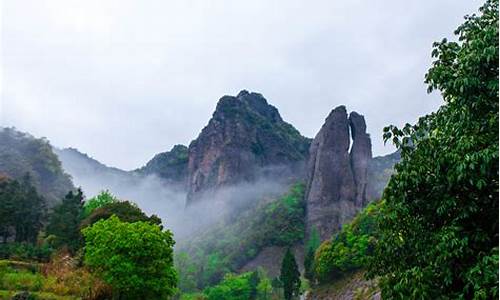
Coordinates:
x,y
22,209
136,259
311,246
290,275
104,198
126,211
64,223
439,229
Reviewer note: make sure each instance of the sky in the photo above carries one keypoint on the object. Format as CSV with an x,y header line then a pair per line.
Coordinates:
x,y
123,80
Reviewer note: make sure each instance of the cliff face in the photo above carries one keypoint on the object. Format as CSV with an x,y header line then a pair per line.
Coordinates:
x,y
245,138
361,155
337,179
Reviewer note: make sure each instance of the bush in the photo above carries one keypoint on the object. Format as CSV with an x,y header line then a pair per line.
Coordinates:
x,y
350,248
136,259
25,251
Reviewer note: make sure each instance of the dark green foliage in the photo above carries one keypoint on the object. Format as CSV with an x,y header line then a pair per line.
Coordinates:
x,y
229,246
64,222
126,211
136,259
22,210
25,251
171,165
290,276
439,230
21,153
310,249
349,249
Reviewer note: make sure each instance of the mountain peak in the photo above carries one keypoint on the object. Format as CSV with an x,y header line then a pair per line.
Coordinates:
x,y
245,134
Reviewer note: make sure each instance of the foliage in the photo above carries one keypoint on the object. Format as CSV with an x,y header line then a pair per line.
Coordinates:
x,y
126,211
349,249
290,276
246,286
64,222
311,246
59,279
104,198
136,259
25,251
227,247
21,153
439,230
22,210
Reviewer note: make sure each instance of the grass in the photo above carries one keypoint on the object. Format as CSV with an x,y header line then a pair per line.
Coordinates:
x,y
55,280
8,294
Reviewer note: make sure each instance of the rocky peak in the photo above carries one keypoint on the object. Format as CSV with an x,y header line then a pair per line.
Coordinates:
x,y
337,179
361,154
244,136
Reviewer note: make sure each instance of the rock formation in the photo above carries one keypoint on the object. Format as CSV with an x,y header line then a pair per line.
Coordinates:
x,y
245,138
337,179
361,154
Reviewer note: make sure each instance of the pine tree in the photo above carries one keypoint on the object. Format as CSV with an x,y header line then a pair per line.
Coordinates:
x,y
290,275
65,220
311,247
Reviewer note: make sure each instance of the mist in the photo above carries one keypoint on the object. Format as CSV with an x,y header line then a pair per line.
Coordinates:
x,y
167,200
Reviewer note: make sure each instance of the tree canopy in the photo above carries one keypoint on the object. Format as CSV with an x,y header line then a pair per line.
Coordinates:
x,y
439,230
136,259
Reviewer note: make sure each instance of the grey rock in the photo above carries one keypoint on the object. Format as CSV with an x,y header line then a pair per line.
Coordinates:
x,y
245,138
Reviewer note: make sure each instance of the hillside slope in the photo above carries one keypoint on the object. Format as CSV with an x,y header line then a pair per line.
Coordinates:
x,y
21,153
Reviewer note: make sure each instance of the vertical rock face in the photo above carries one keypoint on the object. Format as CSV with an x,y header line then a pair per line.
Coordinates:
x,y
244,138
337,179
361,154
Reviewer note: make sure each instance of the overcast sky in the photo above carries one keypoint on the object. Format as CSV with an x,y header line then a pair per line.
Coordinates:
x,y
123,80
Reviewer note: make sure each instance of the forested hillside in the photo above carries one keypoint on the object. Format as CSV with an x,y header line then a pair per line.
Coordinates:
x,y
21,154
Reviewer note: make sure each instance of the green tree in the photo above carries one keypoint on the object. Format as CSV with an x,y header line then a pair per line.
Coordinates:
x,y
439,230
22,209
104,198
136,259
290,275
126,211
311,246
246,286
64,222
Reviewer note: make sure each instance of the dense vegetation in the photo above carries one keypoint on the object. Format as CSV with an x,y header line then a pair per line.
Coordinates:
x,y
136,259
171,165
350,249
21,153
439,231
113,231
290,276
227,247
22,210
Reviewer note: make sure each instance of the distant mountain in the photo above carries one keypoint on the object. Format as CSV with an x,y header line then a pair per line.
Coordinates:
x,y
245,138
170,166
80,164
92,175
21,153
380,170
